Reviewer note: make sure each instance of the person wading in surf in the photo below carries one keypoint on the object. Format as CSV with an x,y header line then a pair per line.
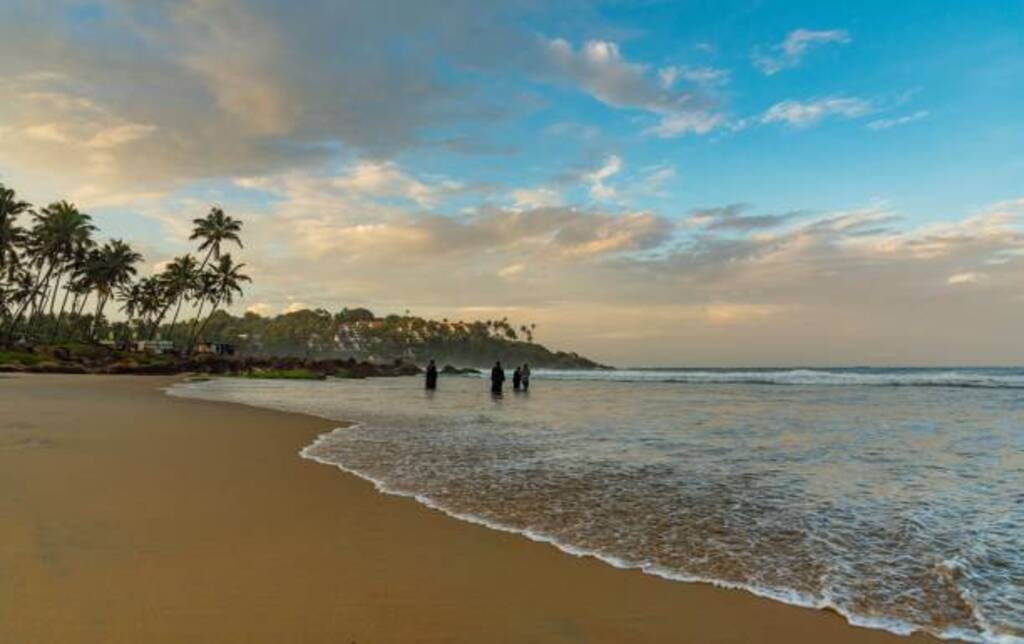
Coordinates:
x,y
431,375
497,378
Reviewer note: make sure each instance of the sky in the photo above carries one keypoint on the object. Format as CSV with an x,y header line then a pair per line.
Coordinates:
x,y
688,183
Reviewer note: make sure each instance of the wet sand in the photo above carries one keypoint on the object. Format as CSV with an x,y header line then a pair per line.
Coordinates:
x,y
130,516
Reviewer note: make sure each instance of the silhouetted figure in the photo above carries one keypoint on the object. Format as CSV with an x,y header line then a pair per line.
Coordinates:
x,y
497,378
431,375
525,376
517,378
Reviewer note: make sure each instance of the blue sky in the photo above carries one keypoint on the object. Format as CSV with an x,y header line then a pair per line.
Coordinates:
x,y
652,182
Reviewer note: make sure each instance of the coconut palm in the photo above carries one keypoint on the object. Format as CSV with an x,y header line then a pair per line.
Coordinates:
x,y
110,268
12,236
179,280
220,285
215,229
58,231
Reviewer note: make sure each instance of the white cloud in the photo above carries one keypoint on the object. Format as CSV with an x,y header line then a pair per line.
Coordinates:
x,y
885,124
599,68
260,308
119,135
965,278
707,76
790,52
598,188
803,114
541,197
511,271
386,179
48,132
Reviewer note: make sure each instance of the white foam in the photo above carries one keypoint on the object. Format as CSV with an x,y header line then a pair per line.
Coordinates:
x,y
981,378
894,626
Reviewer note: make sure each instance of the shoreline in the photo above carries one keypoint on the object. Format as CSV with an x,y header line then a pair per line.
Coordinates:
x,y
226,484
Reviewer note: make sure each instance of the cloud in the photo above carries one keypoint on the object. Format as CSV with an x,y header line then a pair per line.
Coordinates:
x,y
599,68
790,52
165,93
803,114
260,308
706,76
596,179
540,197
813,287
385,179
732,217
885,124
965,278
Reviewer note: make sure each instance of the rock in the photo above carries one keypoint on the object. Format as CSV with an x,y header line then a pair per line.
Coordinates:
x,y
449,370
56,367
62,353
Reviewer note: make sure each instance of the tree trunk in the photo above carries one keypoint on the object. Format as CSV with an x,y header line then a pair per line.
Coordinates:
x,y
174,320
12,327
195,323
101,302
203,327
60,316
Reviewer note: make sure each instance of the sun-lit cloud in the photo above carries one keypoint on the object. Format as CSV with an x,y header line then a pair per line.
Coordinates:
x,y
970,277
600,69
540,160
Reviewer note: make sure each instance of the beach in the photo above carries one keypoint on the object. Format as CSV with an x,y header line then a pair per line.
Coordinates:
x,y
132,516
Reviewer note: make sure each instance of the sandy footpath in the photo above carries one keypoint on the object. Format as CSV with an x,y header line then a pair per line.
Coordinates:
x,y
127,516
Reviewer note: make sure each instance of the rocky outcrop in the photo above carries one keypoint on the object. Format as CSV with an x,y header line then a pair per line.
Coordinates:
x,y
100,360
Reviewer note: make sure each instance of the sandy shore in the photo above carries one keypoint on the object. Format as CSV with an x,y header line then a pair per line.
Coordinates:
x,y
130,516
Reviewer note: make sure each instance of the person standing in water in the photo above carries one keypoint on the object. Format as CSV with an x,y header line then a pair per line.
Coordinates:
x,y
497,378
517,379
431,375
524,375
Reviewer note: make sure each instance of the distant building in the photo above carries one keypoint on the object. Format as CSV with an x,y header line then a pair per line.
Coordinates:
x,y
215,348
155,346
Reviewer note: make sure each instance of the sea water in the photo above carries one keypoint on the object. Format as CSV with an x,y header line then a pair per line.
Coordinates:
x,y
894,496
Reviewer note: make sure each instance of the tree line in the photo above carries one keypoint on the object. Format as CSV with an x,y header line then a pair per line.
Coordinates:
x,y
58,282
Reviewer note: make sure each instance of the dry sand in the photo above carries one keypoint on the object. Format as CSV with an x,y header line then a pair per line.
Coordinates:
x,y
130,516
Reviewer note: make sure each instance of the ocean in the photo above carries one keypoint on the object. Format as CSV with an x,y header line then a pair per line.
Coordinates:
x,y
893,496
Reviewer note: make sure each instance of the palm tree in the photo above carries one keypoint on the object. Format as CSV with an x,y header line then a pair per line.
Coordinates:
x,y
111,267
222,283
58,231
12,236
179,280
215,229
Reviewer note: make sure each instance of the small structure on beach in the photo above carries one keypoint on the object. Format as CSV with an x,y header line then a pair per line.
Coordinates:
x,y
155,346
215,348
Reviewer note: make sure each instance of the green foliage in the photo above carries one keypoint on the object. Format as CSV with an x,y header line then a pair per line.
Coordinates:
x,y
19,357
56,280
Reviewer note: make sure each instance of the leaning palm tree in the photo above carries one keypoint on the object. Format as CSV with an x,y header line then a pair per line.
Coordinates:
x,y
12,236
215,229
111,267
179,281
222,284
58,230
